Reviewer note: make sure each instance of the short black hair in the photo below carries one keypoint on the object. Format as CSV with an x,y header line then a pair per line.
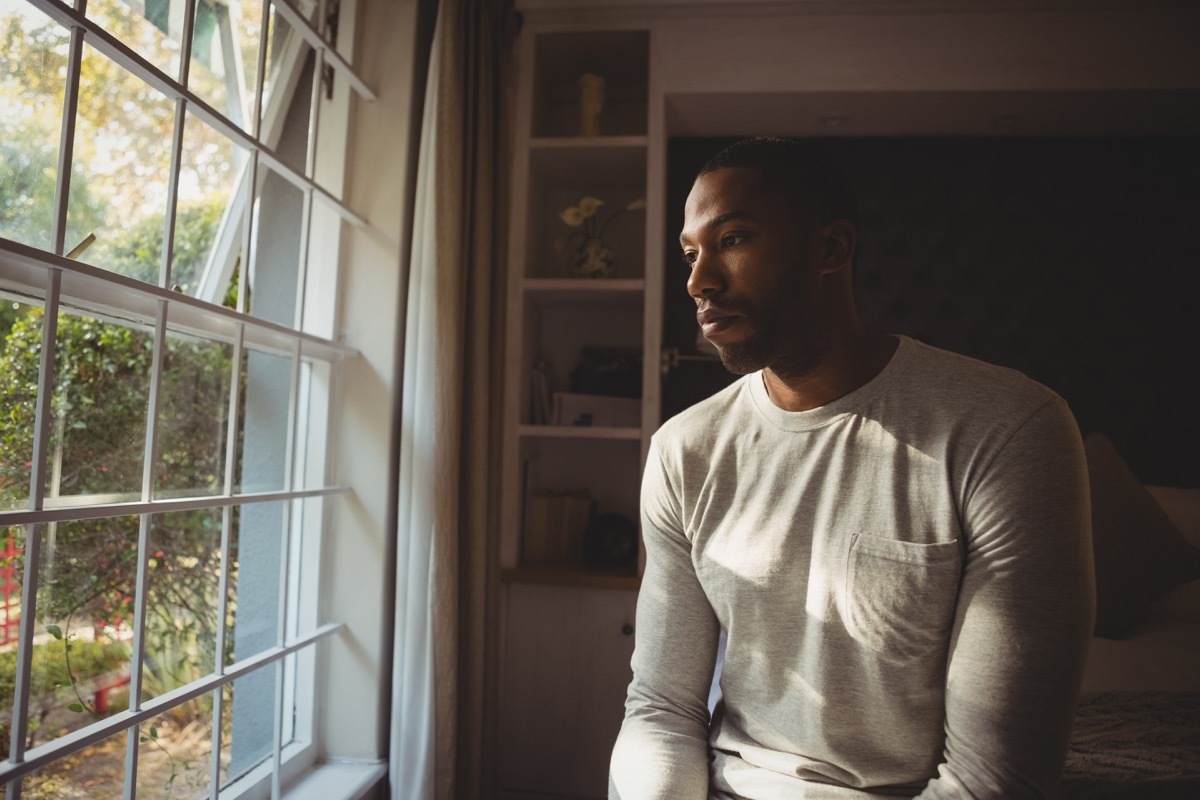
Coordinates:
x,y
801,169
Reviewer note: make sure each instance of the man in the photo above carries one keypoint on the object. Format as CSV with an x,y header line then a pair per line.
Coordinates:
x,y
894,539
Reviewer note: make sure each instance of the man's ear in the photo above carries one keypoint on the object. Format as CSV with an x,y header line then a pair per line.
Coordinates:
x,y
839,238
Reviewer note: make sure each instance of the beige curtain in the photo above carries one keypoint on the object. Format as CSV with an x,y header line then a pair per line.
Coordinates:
x,y
453,394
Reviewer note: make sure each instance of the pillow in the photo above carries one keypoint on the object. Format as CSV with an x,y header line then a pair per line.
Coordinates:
x,y
1182,507
1181,604
1140,555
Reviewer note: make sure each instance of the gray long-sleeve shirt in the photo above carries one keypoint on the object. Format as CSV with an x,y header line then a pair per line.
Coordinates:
x,y
905,579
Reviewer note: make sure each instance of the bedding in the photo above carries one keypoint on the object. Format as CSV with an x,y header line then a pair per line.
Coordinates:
x,y
1137,726
1135,744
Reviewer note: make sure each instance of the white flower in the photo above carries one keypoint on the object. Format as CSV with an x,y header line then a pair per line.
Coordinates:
x,y
589,205
573,216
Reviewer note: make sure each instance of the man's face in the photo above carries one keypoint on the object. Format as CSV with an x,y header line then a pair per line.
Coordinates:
x,y
754,257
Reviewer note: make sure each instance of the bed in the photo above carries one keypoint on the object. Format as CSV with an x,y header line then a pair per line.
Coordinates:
x,y
1137,725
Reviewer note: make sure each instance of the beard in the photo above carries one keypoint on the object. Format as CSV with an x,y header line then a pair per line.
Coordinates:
x,y
790,343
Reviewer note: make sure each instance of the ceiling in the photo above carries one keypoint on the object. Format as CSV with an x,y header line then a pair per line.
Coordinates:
x,y
988,113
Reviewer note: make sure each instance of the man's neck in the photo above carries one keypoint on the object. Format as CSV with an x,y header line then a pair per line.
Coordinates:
x,y
851,363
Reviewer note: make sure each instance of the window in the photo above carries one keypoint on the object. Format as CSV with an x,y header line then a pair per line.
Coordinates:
x,y
169,191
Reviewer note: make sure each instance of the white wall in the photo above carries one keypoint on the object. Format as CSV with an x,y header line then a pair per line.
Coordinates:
x,y
911,51
954,67
369,304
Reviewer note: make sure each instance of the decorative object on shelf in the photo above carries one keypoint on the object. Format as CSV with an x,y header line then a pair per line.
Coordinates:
x,y
610,371
588,255
596,410
539,392
610,540
593,259
591,103
555,525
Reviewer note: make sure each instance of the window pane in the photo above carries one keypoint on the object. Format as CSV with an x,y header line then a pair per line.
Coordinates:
x,y
313,417
11,564
248,735
33,58
181,601
97,436
209,214
192,417
267,398
304,555
255,594
123,151
174,751
152,28
85,601
95,773
275,264
257,551
225,44
20,352
287,96
321,290
290,674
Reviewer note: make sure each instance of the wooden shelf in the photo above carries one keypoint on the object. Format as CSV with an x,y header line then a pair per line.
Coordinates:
x,y
583,286
577,432
622,291
585,142
576,575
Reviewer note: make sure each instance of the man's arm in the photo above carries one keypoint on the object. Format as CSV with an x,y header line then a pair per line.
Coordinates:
x,y
662,750
1024,617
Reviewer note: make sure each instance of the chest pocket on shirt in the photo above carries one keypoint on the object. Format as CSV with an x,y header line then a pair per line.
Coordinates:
x,y
900,596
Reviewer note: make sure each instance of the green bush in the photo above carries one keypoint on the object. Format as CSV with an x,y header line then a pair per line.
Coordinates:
x,y
50,676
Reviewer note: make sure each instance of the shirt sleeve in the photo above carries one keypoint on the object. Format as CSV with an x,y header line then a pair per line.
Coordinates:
x,y
1024,617
662,749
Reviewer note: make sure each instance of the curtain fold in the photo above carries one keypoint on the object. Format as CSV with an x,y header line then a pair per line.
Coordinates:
x,y
451,414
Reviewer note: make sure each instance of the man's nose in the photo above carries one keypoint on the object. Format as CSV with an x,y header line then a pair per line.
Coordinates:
x,y
706,277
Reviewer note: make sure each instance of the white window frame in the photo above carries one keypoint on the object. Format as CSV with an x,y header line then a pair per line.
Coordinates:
x,y
57,281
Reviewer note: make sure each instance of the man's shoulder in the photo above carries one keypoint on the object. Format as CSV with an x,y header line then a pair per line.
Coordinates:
x,y
702,420
952,380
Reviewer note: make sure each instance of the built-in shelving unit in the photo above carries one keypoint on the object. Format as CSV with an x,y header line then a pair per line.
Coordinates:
x,y
567,625
556,315
556,575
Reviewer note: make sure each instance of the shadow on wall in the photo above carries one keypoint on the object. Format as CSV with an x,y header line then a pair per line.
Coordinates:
x,y
1072,260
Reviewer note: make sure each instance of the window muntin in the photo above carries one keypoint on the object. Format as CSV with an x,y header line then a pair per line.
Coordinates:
x,y
248,559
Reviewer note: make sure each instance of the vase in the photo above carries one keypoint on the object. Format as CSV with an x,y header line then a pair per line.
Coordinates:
x,y
593,259
591,103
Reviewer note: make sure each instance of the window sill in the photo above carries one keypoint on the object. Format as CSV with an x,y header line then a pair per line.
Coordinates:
x,y
339,780
332,780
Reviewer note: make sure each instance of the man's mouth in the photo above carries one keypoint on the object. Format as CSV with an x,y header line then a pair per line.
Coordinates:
x,y
714,320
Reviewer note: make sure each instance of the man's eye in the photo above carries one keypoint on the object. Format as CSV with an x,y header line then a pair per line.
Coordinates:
x,y
730,239
688,257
